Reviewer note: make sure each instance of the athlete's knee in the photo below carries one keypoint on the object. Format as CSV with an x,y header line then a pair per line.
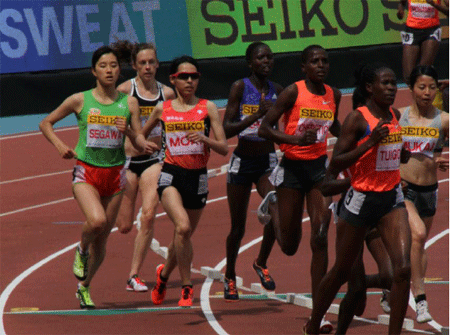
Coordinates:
x,y
419,237
124,227
402,272
289,247
319,241
386,279
237,232
97,225
184,231
147,219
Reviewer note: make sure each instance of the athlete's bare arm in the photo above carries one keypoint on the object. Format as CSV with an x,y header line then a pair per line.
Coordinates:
x,y
72,104
219,142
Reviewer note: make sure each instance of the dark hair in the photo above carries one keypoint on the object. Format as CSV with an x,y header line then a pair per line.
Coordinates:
x,y
422,70
128,51
180,60
365,74
251,48
308,50
102,51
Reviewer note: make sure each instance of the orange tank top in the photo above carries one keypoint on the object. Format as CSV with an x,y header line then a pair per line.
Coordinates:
x,y
176,125
422,15
378,169
310,111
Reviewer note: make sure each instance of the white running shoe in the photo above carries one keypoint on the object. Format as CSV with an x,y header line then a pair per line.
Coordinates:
x,y
263,209
325,327
422,312
136,284
384,302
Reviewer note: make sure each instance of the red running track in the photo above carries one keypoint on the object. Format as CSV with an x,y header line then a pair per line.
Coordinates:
x,y
40,225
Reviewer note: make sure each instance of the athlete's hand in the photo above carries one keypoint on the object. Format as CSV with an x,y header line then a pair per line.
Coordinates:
x,y
264,105
121,124
195,137
442,163
308,137
443,84
405,155
150,147
66,152
379,132
404,185
400,12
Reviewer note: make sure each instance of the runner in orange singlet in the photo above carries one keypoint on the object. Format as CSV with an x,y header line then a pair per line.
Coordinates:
x,y
183,182
422,33
309,108
370,145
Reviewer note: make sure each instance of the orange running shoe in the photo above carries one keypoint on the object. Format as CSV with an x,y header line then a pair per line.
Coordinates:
x,y
187,295
159,291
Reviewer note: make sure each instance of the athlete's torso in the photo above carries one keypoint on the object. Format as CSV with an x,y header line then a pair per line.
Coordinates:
x,y
422,139
100,143
310,111
422,15
249,105
146,107
378,169
175,125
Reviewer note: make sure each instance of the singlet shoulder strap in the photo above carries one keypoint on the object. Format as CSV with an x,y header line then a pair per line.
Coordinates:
x,y
133,86
161,90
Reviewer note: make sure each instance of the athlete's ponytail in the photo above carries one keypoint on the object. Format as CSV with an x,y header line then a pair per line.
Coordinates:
x,y
127,51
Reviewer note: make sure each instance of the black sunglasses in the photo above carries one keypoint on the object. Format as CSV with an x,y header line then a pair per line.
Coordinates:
x,y
186,75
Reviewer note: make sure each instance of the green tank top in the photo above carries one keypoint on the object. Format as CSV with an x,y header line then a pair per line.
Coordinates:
x,y
99,141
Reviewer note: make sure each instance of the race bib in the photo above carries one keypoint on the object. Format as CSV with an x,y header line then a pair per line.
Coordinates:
x,y
320,120
177,141
252,130
389,152
102,132
422,10
421,140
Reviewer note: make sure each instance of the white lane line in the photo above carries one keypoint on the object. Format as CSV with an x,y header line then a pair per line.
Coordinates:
x,y
36,206
12,137
34,177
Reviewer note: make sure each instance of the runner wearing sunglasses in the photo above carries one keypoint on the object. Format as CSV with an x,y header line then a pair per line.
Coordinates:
x,y
183,183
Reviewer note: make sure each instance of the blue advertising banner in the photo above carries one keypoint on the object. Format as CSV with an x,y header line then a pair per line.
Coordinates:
x,y
39,35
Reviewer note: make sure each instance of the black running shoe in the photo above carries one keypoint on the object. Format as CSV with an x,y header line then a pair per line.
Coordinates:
x,y
263,274
230,292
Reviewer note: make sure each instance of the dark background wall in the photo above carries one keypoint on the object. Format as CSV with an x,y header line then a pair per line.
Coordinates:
x,y
41,92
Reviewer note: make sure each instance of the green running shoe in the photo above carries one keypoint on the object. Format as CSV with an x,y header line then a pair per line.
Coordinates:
x,y
83,294
80,264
